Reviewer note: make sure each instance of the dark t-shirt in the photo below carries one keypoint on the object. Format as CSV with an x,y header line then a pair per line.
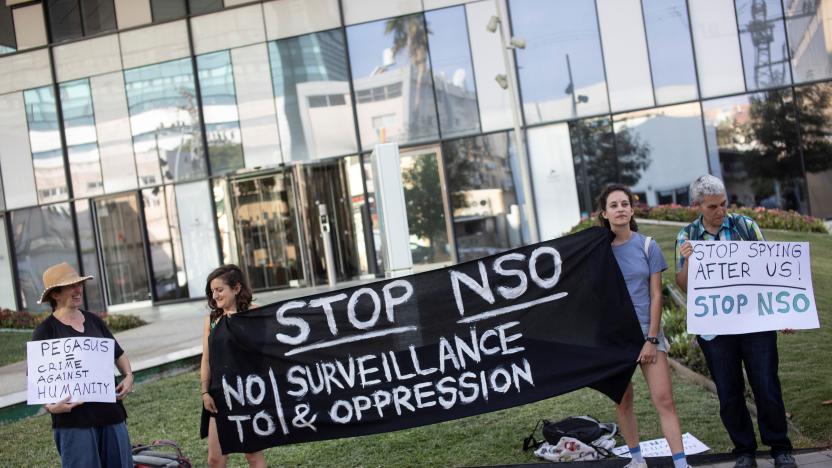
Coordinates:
x,y
88,414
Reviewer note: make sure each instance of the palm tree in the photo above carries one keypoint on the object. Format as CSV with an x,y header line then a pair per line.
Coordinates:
x,y
411,34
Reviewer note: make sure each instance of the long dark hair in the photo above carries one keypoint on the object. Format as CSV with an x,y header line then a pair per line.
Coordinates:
x,y
601,202
232,276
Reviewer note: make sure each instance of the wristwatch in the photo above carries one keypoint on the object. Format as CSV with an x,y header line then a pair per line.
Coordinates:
x,y
652,339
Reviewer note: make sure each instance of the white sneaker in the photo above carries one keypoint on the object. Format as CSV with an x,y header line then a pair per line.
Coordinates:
x,y
635,464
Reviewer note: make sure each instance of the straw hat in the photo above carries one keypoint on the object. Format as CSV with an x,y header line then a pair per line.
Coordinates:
x,y
59,275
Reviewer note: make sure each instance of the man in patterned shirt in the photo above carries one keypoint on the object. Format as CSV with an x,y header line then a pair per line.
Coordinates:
x,y
726,354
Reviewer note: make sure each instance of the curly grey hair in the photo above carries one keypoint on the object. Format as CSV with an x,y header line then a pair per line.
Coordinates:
x,y
704,186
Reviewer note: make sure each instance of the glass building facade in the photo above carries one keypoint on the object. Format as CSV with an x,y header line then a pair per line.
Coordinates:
x,y
145,142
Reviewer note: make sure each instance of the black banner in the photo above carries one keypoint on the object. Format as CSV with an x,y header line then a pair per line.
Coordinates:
x,y
481,336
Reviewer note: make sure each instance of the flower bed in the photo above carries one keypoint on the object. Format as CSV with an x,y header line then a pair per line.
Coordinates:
x,y
28,320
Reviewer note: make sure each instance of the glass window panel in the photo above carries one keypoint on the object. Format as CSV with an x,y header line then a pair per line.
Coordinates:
x,y
45,141
99,16
15,157
425,198
561,69
311,89
625,54
64,19
390,65
81,139
112,120
219,108
809,25
43,237
553,179
198,236
671,54
494,101
198,7
482,187
660,151
8,43
718,59
222,206
255,102
763,41
122,249
814,103
163,234
596,165
89,257
7,284
165,122
453,73
164,10
754,139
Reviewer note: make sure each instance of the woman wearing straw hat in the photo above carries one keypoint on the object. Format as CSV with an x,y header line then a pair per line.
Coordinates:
x,y
86,434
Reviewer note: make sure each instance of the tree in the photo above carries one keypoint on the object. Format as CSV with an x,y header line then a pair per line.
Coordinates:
x,y
425,207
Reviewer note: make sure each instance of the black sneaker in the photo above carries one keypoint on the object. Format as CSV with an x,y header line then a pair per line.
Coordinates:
x,y
745,461
784,460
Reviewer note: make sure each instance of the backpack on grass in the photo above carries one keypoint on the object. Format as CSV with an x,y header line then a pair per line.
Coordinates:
x,y
585,429
160,454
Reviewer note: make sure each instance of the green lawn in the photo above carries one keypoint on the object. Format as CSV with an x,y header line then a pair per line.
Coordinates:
x,y
805,367
13,346
169,409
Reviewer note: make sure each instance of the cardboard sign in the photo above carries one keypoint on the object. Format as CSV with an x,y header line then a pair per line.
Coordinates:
x,y
660,447
80,367
743,287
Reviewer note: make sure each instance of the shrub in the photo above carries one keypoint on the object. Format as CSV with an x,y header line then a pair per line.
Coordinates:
x,y
121,322
683,347
23,320
766,218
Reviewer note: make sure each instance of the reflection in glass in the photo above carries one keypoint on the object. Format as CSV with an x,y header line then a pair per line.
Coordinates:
x,y
98,16
164,10
754,139
485,209
122,249
7,284
81,139
165,122
267,230
45,142
596,165
64,19
672,143
8,43
164,238
671,54
89,257
809,25
42,237
763,42
312,95
219,108
453,73
561,69
425,199
391,74
222,206
814,104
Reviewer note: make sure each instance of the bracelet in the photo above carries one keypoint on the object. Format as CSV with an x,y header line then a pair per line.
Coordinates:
x,y
204,393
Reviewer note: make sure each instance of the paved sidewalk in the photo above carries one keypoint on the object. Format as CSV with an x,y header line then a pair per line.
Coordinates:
x,y
174,333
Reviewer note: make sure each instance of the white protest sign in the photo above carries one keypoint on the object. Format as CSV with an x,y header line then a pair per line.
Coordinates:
x,y
80,367
744,287
660,448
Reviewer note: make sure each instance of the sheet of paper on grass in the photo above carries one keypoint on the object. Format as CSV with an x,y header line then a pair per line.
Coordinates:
x,y
80,367
745,287
659,447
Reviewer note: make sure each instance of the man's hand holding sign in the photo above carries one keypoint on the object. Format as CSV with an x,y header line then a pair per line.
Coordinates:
x,y
743,287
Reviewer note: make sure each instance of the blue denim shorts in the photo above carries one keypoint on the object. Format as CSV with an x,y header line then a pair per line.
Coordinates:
x,y
94,447
662,346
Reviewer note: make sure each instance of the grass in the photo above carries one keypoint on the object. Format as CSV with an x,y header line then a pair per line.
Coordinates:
x,y
169,409
13,346
805,367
